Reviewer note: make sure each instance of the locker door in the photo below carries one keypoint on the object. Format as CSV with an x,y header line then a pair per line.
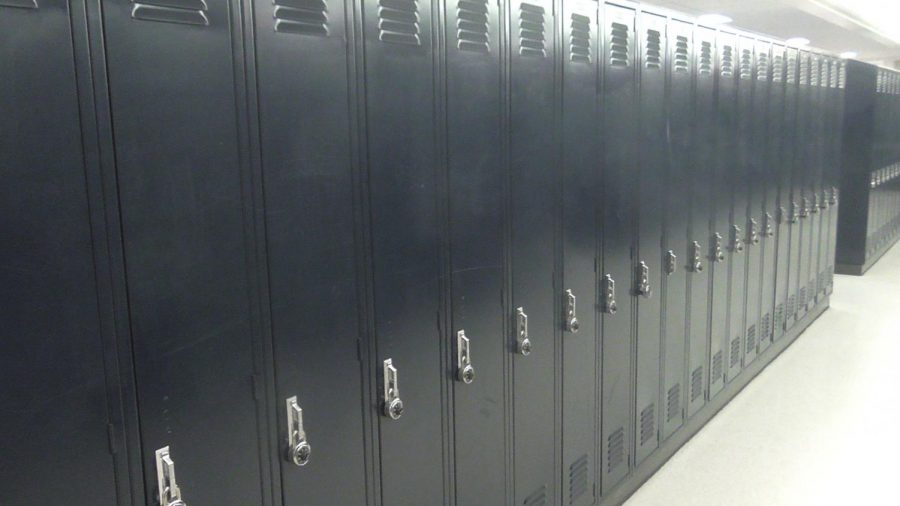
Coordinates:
x,y
405,256
771,136
175,107
837,153
814,163
619,178
304,115
649,203
781,99
534,186
701,182
581,189
804,139
475,188
721,252
823,177
55,413
675,252
794,125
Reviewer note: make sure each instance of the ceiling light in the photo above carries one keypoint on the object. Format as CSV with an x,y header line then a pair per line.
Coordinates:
x,y
797,41
849,54
713,19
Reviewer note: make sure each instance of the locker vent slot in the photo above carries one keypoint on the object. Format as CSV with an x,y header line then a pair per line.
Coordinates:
x,y
792,306
184,12
746,64
580,42
823,74
717,366
578,478
472,26
648,423
680,63
792,69
727,61
615,449
537,498
814,70
531,30
673,402
777,68
652,50
735,352
24,4
779,316
696,383
751,338
618,45
762,67
804,71
303,17
767,327
802,302
705,58
833,78
398,22
842,75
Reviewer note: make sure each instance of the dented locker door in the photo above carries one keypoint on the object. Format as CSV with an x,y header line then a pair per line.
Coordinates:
x,y
534,193
781,98
404,230
176,99
475,189
619,179
721,254
581,151
676,254
55,415
307,176
649,202
701,181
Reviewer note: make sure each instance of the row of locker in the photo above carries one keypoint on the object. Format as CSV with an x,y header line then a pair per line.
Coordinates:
x,y
870,166
391,251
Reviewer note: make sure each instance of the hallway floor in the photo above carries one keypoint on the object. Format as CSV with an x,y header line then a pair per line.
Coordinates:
x,y
819,426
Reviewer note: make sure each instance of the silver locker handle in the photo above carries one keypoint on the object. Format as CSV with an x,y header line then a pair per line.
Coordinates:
x,y
464,370
393,405
298,450
169,493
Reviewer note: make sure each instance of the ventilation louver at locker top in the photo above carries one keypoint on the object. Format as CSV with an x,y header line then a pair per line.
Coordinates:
x,y
398,22
302,17
531,30
618,45
762,66
472,26
680,63
777,68
705,68
652,50
23,4
185,12
727,61
746,64
580,41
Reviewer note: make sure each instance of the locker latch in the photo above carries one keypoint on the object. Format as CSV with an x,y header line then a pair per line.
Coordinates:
x,y
608,295
298,450
169,493
804,207
642,281
782,215
834,196
670,262
814,209
718,254
795,212
737,242
464,370
696,257
768,230
523,343
753,232
393,406
572,324
823,203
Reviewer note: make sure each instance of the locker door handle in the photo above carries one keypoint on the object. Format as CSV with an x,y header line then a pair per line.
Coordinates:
x,y
298,450
718,254
608,295
768,230
795,212
737,243
523,343
392,404
670,262
571,319
169,493
464,370
814,209
696,257
834,196
804,207
752,232
823,202
642,281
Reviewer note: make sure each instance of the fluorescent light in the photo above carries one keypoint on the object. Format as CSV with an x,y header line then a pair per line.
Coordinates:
x,y
849,54
713,19
797,41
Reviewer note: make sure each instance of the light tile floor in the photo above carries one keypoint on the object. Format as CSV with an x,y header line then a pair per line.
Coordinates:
x,y
819,426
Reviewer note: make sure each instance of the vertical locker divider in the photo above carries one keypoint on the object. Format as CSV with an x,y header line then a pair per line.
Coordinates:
x,y
780,100
650,59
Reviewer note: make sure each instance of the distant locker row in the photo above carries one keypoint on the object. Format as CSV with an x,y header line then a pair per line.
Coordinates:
x,y
399,252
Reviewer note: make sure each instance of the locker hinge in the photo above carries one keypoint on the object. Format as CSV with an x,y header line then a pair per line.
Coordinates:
x,y
752,232
392,405
523,343
464,370
696,257
642,280
768,229
737,242
670,262
571,319
169,493
717,253
298,449
608,295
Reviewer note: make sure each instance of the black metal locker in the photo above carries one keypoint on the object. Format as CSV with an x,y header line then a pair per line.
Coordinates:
x,y
475,182
813,167
175,82
305,122
721,249
404,229
649,203
619,179
836,142
56,419
794,103
772,137
675,261
802,171
701,182
781,112
534,194
580,227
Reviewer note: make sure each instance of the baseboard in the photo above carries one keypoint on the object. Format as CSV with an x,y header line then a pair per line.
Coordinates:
x,y
859,270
